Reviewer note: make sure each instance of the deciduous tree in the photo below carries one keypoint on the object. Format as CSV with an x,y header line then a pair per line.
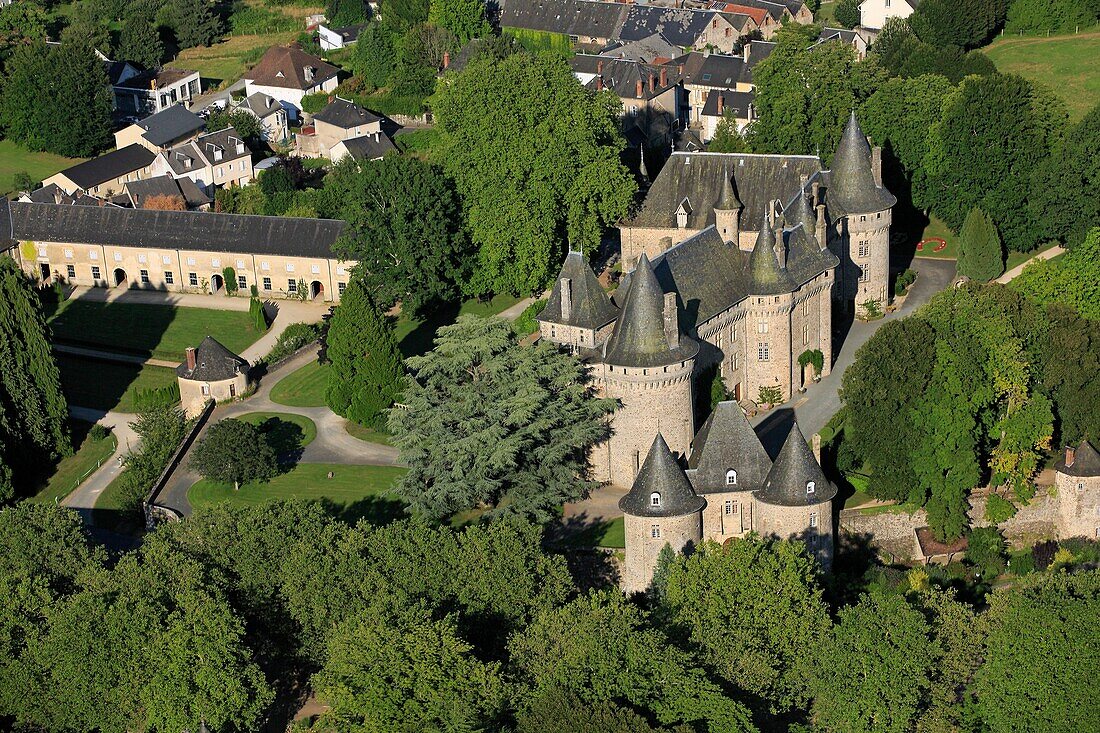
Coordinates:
x,y
234,452
465,19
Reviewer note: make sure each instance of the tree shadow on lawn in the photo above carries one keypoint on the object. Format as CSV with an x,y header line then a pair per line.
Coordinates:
x,y
285,438
577,539
375,510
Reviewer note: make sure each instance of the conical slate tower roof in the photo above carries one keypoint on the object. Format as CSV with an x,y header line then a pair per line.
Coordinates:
x,y
213,363
852,187
800,212
591,308
728,200
639,338
661,475
1086,462
727,442
795,468
767,278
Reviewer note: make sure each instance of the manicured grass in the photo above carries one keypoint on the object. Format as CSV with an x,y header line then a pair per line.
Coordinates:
x,y
937,228
1060,63
113,510
355,489
304,387
285,432
608,533
106,385
15,158
160,331
370,435
71,471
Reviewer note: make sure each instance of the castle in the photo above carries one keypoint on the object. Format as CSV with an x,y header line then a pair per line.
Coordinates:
x,y
737,262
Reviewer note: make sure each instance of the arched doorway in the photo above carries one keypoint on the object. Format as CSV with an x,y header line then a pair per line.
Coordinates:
x,y
316,290
216,283
120,276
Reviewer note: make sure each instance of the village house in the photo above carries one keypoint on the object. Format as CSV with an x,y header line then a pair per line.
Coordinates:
x,y
151,91
177,251
333,39
212,160
138,193
874,13
650,96
1077,483
210,372
588,23
108,174
287,73
858,40
162,130
340,120
270,113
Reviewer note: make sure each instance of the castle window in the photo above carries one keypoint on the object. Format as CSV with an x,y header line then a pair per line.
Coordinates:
x,y
68,254
805,334
863,218
70,271
655,531
168,277
267,283
95,273
763,353
1080,486
730,508
731,477
864,249
762,327
145,277
863,276
193,278
813,519
810,487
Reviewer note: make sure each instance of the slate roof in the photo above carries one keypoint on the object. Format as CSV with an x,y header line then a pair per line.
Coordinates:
x,y
794,468
736,102
571,17
698,176
202,150
651,49
170,124
727,441
639,338
767,277
285,67
166,185
680,26
350,33
708,274
591,308
260,104
107,225
713,70
368,147
344,114
213,363
109,166
621,77
153,79
1086,462
852,187
661,474
50,194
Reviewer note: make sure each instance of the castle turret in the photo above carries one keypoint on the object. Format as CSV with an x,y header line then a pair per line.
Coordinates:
x,y
578,312
660,509
768,319
647,365
1077,483
727,212
856,193
796,499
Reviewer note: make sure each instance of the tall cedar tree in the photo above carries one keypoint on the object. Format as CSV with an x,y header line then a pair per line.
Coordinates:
x,y
236,452
463,18
491,423
140,42
34,428
981,255
404,230
366,375
546,170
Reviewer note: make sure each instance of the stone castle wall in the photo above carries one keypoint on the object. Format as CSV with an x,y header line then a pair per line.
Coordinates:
x,y
1078,505
797,523
642,548
718,525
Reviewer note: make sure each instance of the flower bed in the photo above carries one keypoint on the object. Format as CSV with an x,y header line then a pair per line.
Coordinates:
x,y
940,242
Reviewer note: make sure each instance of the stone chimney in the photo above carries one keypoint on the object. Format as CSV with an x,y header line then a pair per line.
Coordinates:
x,y
1071,454
816,442
446,59
721,103
672,325
679,69
780,245
822,234
666,243
652,82
638,90
566,298
664,77
876,164
190,358
815,189
599,83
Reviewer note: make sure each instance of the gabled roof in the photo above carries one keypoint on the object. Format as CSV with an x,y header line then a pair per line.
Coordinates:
x,y
708,274
109,166
794,469
570,17
852,187
591,308
345,114
727,442
650,50
660,474
1086,462
213,363
108,225
713,69
639,338
680,26
286,67
368,147
154,79
170,124
166,185
621,77
50,194
202,151
736,102
260,104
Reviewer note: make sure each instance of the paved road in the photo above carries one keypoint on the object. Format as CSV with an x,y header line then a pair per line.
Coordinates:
x,y
83,498
201,102
1044,255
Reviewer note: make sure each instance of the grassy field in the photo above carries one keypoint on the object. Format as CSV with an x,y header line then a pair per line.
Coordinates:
x,y
610,533
227,60
160,331
285,432
14,158
370,435
108,386
1060,63
826,14
72,470
354,490
306,386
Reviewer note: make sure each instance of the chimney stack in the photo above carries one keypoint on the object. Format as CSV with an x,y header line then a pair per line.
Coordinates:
x,y
664,77
780,245
566,298
876,164
679,69
599,66
822,236
815,188
672,325
599,83
721,103
446,59
1071,454
652,82
190,358
638,90
816,441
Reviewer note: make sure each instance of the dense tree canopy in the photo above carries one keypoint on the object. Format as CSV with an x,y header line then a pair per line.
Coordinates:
x,y
236,452
341,13
550,142
966,23
493,424
1073,280
465,19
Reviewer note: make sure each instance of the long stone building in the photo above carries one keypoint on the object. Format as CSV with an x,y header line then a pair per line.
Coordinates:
x,y
176,251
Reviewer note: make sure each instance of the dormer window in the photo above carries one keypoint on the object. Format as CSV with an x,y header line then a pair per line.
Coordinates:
x,y
731,477
655,499
682,212
810,488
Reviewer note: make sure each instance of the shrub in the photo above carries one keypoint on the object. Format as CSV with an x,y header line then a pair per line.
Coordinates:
x,y
150,399
251,20
986,551
229,275
256,312
770,395
1021,563
872,309
998,509
1084,550
294,337
22,181
526,323
99,433
314,103
1043,554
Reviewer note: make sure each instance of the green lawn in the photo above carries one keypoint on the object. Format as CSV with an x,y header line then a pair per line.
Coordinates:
x,y
937,228
826,14
285,432
225,61
160,331
14,158
370,435
1060,63
306,386
106,385
71,471
608,533
357,491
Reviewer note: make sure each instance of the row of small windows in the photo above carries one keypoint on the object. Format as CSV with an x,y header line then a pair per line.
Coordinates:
x,y
168,259
193,279
731,508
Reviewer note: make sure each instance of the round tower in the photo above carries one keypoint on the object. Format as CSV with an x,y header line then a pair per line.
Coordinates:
x,y
768,318
647,365
660,509
727,212
1077,485
856,195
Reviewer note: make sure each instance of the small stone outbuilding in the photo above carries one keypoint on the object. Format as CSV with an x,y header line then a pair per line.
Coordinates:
x,y
1077,483
210,372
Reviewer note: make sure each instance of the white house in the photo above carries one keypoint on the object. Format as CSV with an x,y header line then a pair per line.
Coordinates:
x,y
875,13
287,73
332,39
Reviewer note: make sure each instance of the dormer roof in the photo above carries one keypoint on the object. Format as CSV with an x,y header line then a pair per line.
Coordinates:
x,y
590,306
639,338
727,442
661,488
793,475
290,67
